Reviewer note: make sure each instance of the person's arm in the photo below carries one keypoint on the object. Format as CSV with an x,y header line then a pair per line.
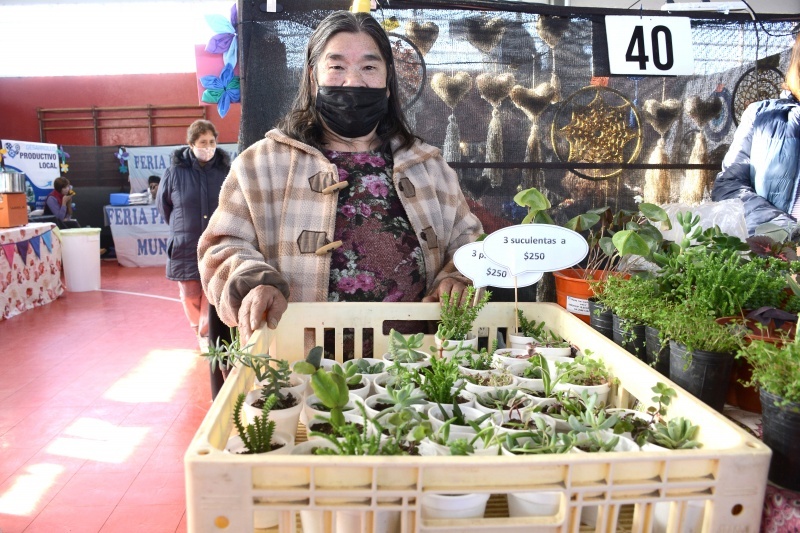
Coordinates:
x,y
459,227
236,276
59,210
164,195
734,181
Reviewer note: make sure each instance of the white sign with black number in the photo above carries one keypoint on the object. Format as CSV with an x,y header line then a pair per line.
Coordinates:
x,y
650,46
535,248
473,263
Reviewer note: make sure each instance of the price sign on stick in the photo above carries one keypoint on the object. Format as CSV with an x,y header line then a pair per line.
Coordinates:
x,y
471,261
535,248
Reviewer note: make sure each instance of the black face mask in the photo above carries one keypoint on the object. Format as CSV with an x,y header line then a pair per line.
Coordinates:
x,y
352,111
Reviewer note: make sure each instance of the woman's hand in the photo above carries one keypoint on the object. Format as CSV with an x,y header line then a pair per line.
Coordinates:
x,y
449,286
67,200
262,304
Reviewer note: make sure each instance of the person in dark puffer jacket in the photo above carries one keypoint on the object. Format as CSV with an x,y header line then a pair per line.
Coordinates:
x,y
762,166
187,197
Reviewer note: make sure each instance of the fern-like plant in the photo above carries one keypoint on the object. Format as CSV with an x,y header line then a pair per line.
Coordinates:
x,y
457,316
257,437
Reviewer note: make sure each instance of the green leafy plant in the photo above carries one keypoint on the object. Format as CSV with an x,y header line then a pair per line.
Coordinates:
x,y
503,399
365,366
404,397
350,439
775,367
675,434
592,417
439,380
406,349
349,373
481,360
257,437
457,318
458,418
332,391
585,370
542,335
541,439
641,428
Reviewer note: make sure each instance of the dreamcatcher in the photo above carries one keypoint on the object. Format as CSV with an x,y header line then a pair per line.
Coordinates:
x,y
485,34
422,37
591,126
699,180
551,30
451,89
661,115
757,83
410,69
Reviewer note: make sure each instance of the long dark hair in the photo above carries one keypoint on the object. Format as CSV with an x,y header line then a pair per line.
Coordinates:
x,y
304,123
793,73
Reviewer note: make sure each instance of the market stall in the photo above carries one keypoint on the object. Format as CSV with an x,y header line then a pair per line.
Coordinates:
x,y
30,270
140,234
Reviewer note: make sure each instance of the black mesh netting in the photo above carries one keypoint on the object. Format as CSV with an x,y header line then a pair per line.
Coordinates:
x,y
591,147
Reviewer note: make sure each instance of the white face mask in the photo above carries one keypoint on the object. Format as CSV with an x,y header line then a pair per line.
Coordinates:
x,y
203,154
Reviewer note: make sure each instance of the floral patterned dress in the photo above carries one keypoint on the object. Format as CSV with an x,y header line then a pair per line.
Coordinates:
x,y
380,259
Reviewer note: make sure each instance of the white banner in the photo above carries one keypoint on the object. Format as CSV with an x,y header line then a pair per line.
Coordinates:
x,y
40,164
146,161
140,235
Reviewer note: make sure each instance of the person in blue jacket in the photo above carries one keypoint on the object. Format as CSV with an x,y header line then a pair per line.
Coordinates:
x,y
187,197
762,166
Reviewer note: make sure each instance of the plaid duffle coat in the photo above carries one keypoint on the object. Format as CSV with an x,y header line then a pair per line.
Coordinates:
x,y
277,215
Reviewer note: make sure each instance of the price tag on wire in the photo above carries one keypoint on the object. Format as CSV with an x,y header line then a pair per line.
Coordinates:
x,y
535,248
473,263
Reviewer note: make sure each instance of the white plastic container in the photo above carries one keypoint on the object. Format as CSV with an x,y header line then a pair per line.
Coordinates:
x,y
729,471
80,255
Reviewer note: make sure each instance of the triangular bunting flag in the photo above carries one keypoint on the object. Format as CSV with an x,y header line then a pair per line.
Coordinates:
x,y
9,250
22,248
36,243
48,240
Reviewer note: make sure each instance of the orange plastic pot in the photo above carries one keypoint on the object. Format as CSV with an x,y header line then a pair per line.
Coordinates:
x,y
573,290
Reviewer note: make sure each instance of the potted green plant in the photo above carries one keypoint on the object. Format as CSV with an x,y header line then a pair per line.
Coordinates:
x,y
776,373
277,382
441,381
621,235
539,336
457,316
406,350
701,353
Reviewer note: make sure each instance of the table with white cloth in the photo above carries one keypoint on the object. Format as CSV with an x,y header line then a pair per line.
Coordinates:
x,y
140,234
30,268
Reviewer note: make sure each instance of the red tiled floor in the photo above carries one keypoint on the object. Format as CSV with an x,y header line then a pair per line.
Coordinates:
x,y
94,423
149,518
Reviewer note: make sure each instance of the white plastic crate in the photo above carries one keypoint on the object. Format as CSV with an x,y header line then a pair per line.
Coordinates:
x,y
355,494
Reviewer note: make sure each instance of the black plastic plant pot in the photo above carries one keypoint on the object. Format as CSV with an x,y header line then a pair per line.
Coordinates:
x,y
657,354
629,336
707,376
781,429
600,318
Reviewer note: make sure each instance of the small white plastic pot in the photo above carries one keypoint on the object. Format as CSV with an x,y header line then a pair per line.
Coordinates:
x,y
264,519
546,503
600,390
519,342
437,419
510,356
454,505
451,346
285,419
424,361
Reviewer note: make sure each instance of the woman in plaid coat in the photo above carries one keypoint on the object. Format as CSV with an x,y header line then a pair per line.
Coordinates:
x,y
341,202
